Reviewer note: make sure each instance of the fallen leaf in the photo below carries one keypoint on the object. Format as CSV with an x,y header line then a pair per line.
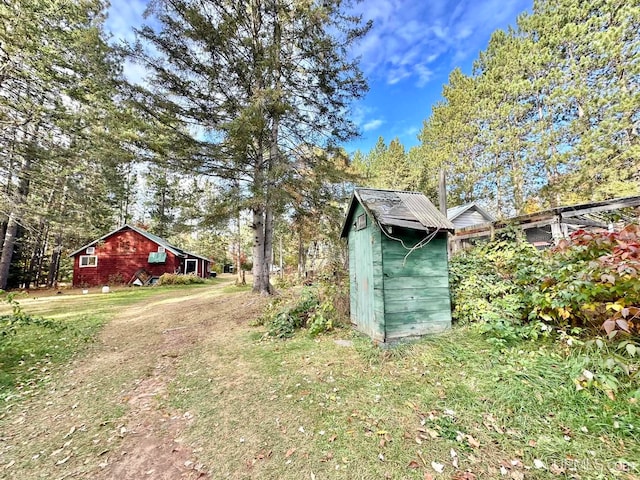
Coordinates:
x,y
464,476
327,457
539,464
64,460
556,470
428,476
290,452
473,442
532,443
438,467
516,475
332,438
413,464
381,457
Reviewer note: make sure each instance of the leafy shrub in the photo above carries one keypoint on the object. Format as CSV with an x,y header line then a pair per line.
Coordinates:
x,y
319,307
589,281
492,281
592,282
585,287
179,279
284,322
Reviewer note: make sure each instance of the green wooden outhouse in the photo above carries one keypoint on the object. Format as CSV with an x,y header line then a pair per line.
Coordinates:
x,y
398,265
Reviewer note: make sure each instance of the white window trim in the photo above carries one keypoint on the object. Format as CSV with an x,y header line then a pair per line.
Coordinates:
x,y
87,257
191,260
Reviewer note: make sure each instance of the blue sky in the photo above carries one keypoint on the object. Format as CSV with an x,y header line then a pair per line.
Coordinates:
x,y
407,56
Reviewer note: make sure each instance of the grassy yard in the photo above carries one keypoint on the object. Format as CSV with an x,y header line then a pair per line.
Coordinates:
x,y
450,407
306,408
30,357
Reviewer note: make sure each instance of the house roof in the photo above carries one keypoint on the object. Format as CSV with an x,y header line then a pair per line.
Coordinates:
x,y
154,238
398,208
455,212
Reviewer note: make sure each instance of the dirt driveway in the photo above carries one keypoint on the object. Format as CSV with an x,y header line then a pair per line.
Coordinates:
x,y
106,417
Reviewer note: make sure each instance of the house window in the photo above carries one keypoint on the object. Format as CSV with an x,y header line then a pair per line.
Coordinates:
x,y
161,249
124,245
91,250
191,266
88,261
361,222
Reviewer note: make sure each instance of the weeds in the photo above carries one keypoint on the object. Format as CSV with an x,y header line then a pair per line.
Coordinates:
x,y
319,308
179,279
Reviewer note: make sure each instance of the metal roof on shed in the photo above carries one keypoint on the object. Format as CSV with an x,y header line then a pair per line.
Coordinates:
x,y
399,209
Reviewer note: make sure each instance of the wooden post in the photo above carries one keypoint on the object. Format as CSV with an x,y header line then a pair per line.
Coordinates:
x,y
442,191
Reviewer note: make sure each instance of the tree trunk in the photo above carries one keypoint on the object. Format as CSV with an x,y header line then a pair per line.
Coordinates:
x,y
36,254
240,280
54,265
38,271
8,246
261,283
15,216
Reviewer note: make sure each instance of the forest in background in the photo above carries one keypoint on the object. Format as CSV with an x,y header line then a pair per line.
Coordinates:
x,y
549,116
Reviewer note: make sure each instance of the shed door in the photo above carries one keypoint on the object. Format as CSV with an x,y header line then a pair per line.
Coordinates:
x,y
361,264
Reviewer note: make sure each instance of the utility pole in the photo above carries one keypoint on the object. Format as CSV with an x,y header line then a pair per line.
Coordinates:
x,y
442,191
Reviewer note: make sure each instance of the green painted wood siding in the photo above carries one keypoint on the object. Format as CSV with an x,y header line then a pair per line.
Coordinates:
x,y
416,288
365,275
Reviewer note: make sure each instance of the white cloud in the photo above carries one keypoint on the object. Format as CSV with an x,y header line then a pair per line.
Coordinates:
x,y
396,75
407,35
372,124
123,16
424,75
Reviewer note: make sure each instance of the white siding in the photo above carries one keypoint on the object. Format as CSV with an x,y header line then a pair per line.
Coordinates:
x,y
468,218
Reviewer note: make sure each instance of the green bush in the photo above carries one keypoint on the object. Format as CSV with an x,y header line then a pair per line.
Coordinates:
x,y
590,281
585,293
319,307
179,279
292,316
493,281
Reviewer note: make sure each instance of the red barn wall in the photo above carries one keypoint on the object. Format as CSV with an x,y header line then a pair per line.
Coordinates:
x,y
120,256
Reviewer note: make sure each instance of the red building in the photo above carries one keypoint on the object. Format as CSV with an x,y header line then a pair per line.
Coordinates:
x,y
129,252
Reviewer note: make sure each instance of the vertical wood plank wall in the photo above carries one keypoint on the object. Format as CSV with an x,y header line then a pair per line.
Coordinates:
x,y
416,290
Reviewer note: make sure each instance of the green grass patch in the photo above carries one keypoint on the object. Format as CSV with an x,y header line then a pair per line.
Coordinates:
x,y
232,288
30,356
286,409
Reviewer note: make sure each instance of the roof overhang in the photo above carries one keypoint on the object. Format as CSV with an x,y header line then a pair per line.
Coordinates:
x,y
420,221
